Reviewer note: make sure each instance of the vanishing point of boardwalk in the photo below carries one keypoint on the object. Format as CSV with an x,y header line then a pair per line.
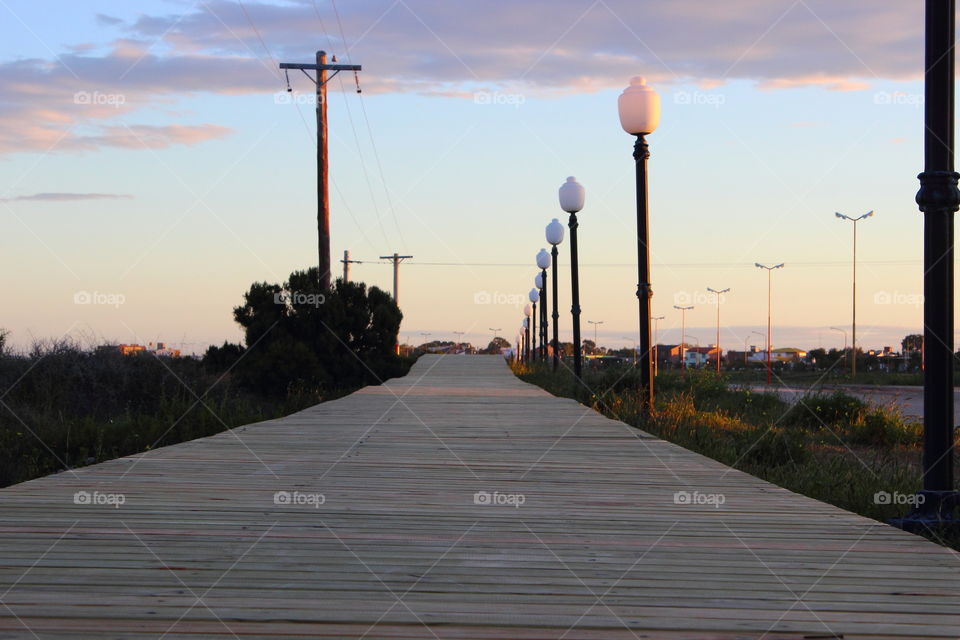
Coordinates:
x,y
457,502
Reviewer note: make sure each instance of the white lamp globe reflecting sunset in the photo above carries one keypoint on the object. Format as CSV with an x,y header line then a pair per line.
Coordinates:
x,y
572,195
639,107
527,311
526,323
534,295
554,232
538,281
543,258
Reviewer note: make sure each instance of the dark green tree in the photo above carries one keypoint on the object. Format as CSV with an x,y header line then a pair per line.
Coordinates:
x,y
298,336
912,342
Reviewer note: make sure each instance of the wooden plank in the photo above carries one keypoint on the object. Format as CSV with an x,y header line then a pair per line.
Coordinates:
x,y
384,529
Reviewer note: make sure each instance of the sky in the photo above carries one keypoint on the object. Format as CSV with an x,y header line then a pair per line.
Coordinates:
x,y
153,165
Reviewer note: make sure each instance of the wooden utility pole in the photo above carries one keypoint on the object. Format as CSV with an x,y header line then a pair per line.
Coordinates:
x,y
323,201
346,264
396,259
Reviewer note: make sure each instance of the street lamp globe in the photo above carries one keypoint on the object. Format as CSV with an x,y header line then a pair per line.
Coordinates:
x,y
535,294
527,310
639,107
526,323
543,258
538,281
572,195
555,232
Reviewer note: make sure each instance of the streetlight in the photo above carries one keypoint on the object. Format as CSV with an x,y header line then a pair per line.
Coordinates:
x,y
938,198
554,234
572,196
639,109
526,328
534,295
459,335
719,293
595,323
683,325
656,343
853,354
543,261
844,340
769,301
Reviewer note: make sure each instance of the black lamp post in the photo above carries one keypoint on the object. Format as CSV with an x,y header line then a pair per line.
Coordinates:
x,y
639,108
543,262
554,233
939,199
534,295
572,196
526,334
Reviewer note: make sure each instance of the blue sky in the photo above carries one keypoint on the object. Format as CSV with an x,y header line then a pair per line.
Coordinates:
x,y
775,115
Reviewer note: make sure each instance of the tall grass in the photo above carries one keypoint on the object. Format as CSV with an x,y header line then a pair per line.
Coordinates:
x,y
62,406
831,447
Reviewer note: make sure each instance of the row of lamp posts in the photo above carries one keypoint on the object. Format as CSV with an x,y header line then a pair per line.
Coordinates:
x,y
938,198
639,110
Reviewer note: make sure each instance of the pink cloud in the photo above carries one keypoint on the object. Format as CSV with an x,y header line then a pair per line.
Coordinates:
x,y
538,47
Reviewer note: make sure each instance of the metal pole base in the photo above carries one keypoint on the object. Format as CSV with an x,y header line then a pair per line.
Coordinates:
x,y
938,513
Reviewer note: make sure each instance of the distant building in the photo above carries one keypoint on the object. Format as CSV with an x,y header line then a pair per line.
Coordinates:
x,y
136,349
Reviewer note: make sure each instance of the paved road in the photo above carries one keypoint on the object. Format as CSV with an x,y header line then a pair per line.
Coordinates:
x,y
908,399
454,503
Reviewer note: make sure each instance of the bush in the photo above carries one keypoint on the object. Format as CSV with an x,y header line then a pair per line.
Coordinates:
x,y
299,337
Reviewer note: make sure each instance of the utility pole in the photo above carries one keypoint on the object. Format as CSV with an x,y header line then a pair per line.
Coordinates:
x,y
323,201
346,264
396,259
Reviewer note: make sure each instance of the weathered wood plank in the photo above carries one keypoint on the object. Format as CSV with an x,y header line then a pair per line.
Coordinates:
x,y
378,532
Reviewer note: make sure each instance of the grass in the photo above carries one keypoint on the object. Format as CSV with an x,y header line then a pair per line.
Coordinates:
x,y
64,407
831,447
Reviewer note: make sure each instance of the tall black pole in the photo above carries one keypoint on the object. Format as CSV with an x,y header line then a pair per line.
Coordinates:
x,y
575,295
641,153
556,311
526,342
939,199
533,319
543,315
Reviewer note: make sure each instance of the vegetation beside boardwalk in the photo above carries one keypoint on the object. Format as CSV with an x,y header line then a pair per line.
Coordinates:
x,y
831,447
64,406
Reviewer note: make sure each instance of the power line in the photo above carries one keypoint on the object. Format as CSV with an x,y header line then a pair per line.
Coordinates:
x,y
705,265
363,108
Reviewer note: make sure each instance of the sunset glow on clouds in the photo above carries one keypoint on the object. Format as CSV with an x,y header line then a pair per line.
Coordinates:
x,y
776,113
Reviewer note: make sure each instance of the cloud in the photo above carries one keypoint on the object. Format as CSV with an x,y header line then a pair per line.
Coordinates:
x,y
537,47
66,197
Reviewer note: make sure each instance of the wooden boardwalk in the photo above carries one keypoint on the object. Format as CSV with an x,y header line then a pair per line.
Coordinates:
x,y
457,503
